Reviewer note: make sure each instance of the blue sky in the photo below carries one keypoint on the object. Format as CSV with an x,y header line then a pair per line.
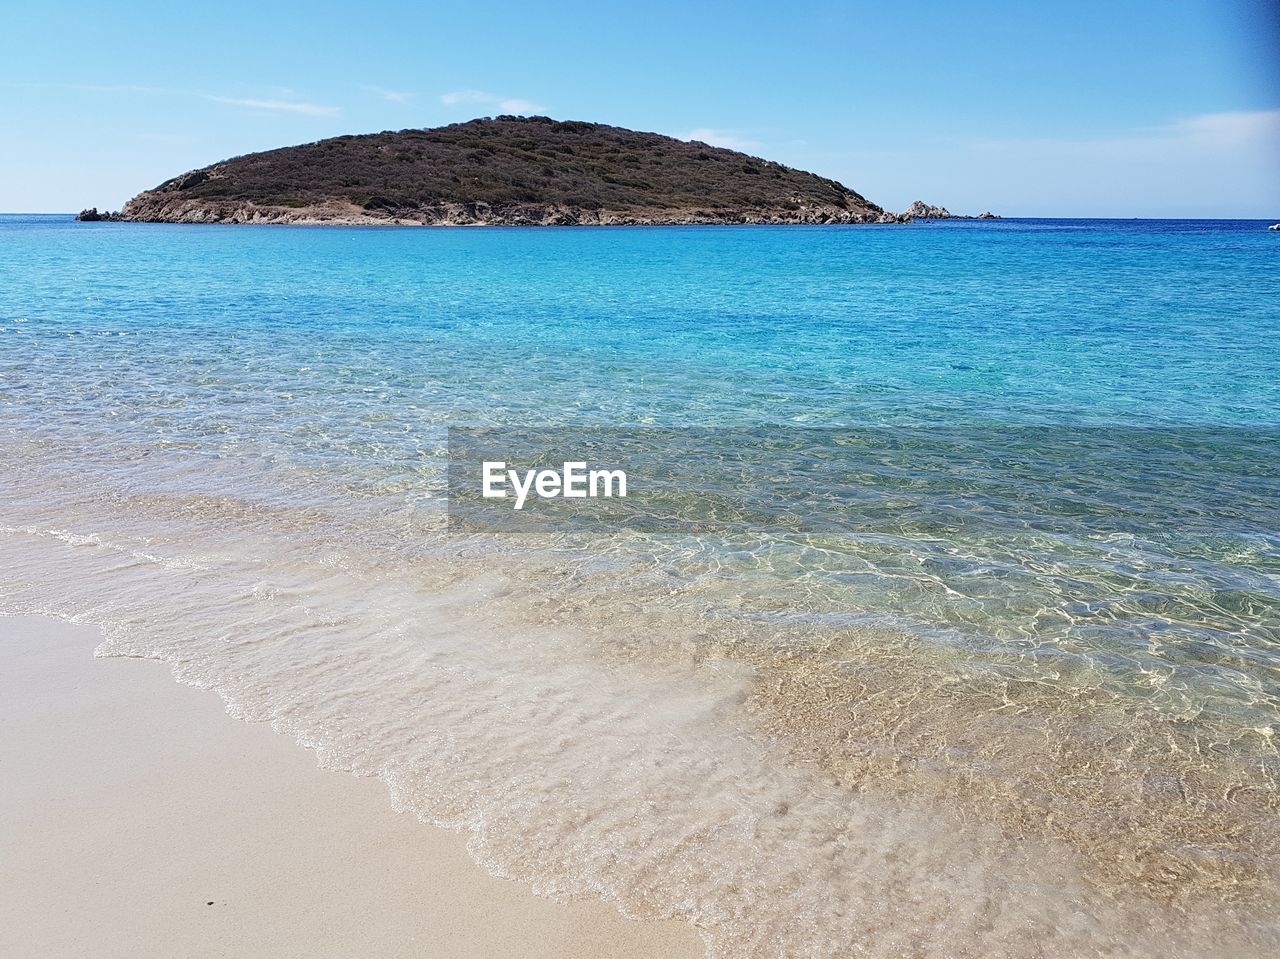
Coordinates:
x,y
1119,108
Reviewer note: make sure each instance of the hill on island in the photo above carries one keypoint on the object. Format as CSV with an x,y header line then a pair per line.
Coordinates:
x,y
504,170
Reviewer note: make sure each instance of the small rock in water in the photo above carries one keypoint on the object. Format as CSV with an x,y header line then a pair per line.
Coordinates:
x,y
925,211
92,215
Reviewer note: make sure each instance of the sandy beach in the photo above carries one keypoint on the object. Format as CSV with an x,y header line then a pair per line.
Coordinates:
x,y
140,820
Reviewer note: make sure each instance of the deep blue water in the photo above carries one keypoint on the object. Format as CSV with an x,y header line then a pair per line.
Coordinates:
x,y
1056,321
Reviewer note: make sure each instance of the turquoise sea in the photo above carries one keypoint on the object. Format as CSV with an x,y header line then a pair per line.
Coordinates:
x,y
960,635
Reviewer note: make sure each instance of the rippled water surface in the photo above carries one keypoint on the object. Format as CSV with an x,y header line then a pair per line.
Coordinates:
x,y
960,634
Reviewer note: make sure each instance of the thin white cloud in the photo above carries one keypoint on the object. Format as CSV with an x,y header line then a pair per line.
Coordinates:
x,y
278,106
1210,165
467,96
1210,138
1229,129
519,106
480,97
391,96
720,138
279,100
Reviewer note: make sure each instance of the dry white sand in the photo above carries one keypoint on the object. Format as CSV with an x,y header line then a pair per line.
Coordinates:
x,y
138,820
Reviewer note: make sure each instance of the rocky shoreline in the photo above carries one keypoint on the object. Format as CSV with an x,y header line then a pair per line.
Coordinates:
x,y
160,210
153,209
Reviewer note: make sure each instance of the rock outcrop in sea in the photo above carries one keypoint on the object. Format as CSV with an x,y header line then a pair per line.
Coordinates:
x,y
919,210
92,215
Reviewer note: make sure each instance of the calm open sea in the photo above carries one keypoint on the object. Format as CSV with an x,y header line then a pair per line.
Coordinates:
x,y
960,635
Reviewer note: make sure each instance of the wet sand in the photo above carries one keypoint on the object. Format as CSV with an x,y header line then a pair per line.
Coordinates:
x,y
138,819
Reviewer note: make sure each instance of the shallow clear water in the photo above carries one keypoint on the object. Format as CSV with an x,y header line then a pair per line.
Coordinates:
x,y
1009,684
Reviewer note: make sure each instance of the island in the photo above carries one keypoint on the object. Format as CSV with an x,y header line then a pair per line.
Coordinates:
x,y
505,170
